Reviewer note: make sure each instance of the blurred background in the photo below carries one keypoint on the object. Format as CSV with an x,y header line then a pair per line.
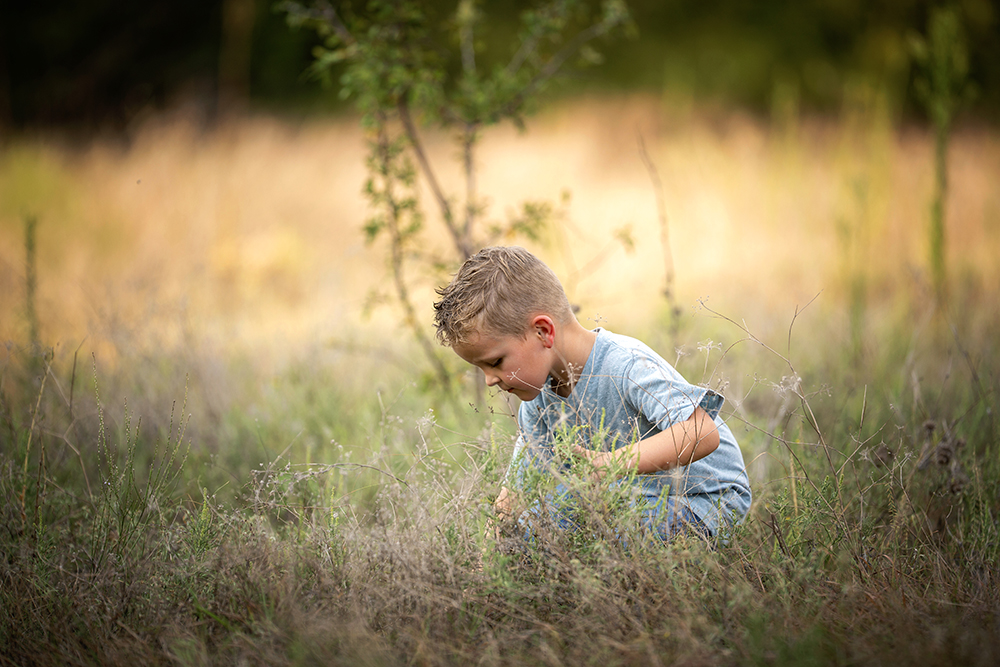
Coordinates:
x,y
106,64
224,433
181,204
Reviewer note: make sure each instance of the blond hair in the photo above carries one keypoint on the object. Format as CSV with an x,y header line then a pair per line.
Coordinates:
x,y
497,292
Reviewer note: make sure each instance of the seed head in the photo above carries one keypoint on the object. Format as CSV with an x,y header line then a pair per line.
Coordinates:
x,y
882,456
945,452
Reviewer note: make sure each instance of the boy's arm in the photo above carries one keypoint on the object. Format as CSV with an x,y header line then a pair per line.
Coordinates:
x,y
680,444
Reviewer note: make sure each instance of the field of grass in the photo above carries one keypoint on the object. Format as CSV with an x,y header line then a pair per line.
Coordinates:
x,y
216,447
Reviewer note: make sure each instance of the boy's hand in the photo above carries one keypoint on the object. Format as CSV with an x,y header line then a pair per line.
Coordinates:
x,y
502,508
502,505
597,460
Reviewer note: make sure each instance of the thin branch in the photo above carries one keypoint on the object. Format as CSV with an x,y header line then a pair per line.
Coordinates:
x,y
425,167
397,261
468,143
411,315
64,437
324,13
326,467
968,360
668,256
527,46
661,209
795,316
72,379
814,423
807,409
31,433
750,336
552,66
466,19
591,266
38,481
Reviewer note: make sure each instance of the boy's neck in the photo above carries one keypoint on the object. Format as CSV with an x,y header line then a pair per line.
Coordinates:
x,y
573,347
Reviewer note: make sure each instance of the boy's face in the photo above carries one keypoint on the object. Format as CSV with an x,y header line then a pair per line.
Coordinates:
x,y
517,365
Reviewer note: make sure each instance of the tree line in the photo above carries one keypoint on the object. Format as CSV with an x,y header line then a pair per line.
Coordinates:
x,y
100,64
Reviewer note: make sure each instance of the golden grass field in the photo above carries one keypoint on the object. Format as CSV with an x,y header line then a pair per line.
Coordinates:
x,y
314,502
247,235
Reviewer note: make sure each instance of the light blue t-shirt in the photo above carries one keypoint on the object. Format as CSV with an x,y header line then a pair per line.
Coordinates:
x,y
629,390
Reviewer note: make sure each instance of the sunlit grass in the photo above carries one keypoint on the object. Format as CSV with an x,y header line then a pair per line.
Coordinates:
x,y
251,231
326,514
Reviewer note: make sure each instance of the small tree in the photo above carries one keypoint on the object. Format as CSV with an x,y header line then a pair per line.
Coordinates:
x,y
401,67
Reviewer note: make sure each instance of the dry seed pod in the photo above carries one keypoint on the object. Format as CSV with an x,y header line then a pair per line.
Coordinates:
x,y
927,451
882,456
945,452
959,480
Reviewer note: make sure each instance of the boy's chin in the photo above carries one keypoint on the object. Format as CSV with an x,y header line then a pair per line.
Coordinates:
x,y
524,394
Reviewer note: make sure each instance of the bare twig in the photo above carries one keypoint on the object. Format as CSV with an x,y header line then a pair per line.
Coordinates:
x,y
39,478
551,67
796,389
968,361
750,336
425,166
471,209
323,12
661,209
397,261
466,19
63,436
31,433
795,316
369,467
668,257
521,55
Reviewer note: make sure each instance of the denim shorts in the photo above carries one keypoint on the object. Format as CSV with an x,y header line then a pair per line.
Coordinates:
x,y
665,517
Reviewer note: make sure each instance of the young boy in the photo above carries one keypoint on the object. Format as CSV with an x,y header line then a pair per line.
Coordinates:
x,y
506,313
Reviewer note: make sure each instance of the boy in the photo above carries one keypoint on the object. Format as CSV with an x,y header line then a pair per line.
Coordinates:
x,y
506,313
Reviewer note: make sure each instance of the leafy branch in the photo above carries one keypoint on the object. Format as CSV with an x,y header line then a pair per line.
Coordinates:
x,y
392,60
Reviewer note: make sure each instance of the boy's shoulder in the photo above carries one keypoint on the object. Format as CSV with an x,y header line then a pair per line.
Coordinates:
x,y
630,364
622,351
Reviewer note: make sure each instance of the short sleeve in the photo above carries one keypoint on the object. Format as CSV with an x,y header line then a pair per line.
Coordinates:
x,y
663,397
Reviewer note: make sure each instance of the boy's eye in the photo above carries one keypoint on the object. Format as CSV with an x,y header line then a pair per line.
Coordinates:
x,y
497,363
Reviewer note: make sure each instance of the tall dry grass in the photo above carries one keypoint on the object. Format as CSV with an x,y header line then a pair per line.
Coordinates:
x,y
325,515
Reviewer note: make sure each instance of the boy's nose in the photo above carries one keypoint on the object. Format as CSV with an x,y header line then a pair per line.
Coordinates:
x,y
492,379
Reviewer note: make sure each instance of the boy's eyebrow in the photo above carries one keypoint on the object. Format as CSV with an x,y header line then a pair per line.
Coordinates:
x,y
491,354
486,358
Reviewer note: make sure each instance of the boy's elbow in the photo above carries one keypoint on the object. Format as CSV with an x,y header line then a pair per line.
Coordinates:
x,y
708,440
711,441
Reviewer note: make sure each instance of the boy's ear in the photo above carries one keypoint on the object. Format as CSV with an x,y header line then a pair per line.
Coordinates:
x,y
543,327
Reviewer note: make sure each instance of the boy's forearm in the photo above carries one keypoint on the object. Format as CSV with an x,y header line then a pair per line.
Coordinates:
x,y
681,444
